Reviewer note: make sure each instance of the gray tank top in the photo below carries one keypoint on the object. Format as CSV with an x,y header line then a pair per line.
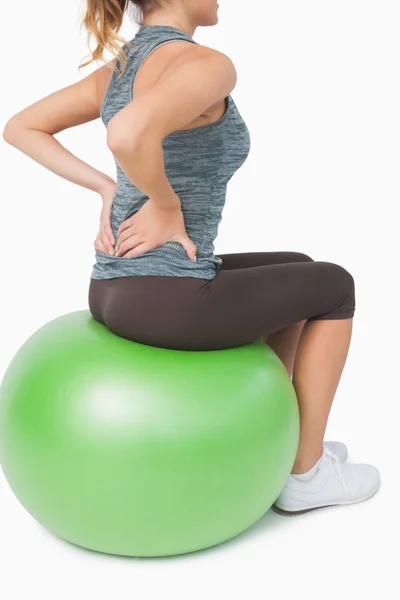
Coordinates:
x,y
198,162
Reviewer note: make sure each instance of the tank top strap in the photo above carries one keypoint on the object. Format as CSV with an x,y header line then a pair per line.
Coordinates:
x,y
146,40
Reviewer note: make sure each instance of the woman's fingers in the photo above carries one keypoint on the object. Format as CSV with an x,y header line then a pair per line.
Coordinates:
x,y
125,224
127,244
108,245
106,232
141,248
109,233
126,233
102,242
106,235
99,245
190,247
106,241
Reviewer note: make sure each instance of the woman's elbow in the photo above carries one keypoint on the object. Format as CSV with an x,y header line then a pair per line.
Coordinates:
x,y
117,135
11,130
117,139
122,139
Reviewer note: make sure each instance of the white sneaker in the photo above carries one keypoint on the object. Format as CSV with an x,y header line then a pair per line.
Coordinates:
x,y
329,483
337,448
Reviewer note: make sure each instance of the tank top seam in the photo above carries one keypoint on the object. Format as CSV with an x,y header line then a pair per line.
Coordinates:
x,y
207,216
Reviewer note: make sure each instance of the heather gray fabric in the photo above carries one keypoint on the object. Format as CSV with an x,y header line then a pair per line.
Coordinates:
x,y
199,163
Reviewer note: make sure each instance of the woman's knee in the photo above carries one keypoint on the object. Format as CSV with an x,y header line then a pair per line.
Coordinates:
x,y
343,279
341,284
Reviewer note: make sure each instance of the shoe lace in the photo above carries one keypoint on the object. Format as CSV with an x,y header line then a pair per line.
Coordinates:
x,y
337,465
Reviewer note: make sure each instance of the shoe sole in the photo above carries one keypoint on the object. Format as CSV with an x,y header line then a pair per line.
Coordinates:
x,y
295,513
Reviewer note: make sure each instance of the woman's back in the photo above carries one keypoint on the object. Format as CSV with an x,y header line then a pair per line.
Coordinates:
x,y
198,163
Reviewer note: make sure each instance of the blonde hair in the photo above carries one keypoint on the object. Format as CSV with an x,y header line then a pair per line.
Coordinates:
x,y
103,19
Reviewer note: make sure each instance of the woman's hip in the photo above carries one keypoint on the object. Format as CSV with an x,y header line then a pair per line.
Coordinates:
x,y
156,310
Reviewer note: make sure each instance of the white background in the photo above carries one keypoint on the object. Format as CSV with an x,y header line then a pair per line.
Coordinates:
x,y
318,85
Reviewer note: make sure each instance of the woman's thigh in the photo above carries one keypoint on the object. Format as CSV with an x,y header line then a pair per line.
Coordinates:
x,y
235,308
243,260
246,304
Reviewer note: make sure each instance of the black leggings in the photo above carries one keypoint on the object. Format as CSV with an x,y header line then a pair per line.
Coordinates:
x,y
252,295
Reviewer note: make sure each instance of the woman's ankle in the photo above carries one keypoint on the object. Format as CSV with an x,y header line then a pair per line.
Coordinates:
x,y
306,460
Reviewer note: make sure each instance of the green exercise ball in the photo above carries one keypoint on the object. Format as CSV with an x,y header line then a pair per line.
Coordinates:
x,y
141,451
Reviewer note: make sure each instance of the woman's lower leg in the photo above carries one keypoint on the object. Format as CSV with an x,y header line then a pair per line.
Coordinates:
x,y
318,365
285,342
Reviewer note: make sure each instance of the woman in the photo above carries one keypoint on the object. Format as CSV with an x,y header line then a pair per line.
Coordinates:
x,y
177,138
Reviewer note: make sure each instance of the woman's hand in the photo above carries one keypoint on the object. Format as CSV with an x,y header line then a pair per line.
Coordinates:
x,y
151,227
105,239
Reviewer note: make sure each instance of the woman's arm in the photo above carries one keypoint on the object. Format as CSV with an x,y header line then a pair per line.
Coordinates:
x,y
194,81
32,130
